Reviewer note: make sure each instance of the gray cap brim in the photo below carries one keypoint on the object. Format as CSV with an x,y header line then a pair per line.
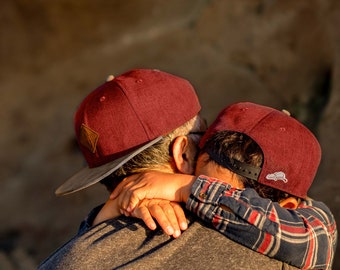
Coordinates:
x,y
90,176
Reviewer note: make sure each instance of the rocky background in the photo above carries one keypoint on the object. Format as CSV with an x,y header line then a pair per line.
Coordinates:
x,y
283,54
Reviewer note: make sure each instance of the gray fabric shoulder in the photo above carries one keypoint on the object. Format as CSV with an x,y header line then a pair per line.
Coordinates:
x,y
125,243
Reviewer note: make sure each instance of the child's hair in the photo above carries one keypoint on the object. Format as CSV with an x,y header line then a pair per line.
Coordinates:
x,y
226,145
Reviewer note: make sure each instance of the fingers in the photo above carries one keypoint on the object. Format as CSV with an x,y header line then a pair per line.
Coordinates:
x,y
130,192
143,213
169,215
147,185
181,219
131,196
165,215
122,185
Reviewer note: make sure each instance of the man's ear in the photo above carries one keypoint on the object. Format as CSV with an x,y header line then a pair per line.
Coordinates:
x,y
290,203
184,154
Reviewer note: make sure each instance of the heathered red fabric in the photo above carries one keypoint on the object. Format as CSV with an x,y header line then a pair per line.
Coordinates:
x,y
133,109
291,152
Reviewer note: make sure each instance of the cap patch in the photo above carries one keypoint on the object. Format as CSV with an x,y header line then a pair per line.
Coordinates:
x,y
277,176
88,138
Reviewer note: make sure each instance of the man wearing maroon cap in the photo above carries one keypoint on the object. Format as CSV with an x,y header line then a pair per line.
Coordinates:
x,y
259,153
142,120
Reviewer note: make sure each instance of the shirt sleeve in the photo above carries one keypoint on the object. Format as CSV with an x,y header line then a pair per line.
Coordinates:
x,y
305,237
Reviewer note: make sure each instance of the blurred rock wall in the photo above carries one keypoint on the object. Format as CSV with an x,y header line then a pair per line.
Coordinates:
x,y
283,54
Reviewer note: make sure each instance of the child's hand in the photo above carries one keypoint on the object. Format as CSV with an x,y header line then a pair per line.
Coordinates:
x,y
169,215
150,185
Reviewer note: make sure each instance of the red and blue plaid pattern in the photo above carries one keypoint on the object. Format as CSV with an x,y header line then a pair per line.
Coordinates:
x,y
305,237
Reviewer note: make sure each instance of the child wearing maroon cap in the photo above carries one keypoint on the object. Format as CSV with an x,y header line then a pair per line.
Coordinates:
x,y
255,168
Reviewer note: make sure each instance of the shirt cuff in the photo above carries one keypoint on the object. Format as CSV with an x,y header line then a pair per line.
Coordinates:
x,y
206,190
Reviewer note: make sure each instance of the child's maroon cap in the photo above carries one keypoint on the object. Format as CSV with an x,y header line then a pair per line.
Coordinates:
x,y
126,115
291,152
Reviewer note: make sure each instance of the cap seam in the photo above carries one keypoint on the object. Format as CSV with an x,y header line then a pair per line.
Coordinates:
x,y
259,122
133,109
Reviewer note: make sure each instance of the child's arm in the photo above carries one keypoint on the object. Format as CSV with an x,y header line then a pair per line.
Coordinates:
x,y
305,237
152,185
169,215
109,210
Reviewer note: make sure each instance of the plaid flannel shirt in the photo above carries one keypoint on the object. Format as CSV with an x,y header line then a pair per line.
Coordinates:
x,y
305,237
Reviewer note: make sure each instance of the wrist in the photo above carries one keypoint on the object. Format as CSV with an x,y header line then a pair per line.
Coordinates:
x,y
186,188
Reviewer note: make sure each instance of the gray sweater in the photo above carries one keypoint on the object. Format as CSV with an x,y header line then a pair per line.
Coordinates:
x,y
125,243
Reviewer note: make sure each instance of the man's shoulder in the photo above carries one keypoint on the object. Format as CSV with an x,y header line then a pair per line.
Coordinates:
x,y
127,243
209,243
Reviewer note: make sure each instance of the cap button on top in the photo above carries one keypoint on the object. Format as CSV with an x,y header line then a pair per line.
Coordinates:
x,y
110,78
286,112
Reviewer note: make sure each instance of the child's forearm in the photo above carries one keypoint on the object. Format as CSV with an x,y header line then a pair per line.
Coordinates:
x,y
250,218
152,185
110,210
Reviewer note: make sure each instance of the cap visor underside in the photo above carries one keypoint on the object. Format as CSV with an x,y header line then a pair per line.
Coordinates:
x,y
90,176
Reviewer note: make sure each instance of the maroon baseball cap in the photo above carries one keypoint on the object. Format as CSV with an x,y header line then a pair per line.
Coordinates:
x,y
291,152
126,115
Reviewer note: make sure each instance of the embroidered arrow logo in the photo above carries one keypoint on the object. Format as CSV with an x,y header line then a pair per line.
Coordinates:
x,y
88,138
